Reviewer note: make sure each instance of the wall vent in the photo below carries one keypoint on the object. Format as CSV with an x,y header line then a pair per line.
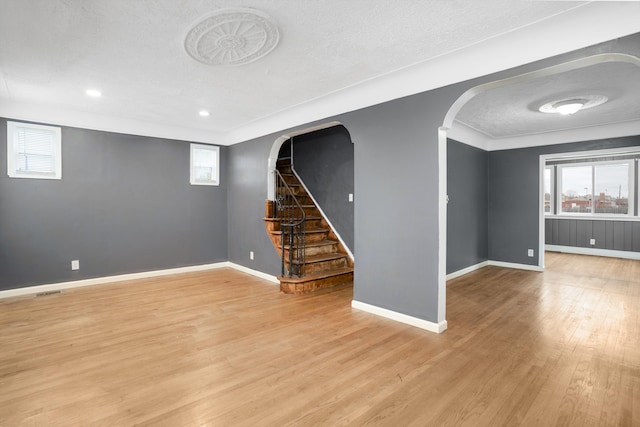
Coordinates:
x,y
44,294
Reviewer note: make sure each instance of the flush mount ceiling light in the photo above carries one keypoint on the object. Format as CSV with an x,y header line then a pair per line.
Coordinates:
x,y
94,93
232,37
204,113
568,106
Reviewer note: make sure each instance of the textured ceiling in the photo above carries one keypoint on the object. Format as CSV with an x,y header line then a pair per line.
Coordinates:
x,y
512,110
134,52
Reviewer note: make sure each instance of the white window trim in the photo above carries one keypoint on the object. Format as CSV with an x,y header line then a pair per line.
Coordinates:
x,y
12,127
631,179
552,191
192,176
636,165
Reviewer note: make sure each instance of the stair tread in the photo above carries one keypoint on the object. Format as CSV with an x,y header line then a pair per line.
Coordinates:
x,y
317,275
317,243
308,218
321,257
306,231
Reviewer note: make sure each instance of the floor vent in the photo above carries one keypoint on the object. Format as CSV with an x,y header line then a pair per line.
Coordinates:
x,y
44,294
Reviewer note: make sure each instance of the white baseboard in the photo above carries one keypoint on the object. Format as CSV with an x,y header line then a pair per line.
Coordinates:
x,y
516,266
593,251
467,270
131,276
399,317
256,273
478,266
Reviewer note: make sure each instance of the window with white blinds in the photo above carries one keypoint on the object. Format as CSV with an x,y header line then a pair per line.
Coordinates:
x,y
33,151
205,164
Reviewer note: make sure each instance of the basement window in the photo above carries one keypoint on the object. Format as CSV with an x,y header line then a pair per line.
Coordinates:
x,y
34,151
205,164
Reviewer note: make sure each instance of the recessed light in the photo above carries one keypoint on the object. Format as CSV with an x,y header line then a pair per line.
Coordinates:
x,y
94,93
568,106
204,113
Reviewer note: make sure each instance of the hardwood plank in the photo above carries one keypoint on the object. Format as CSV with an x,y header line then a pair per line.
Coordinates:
x,y
225,348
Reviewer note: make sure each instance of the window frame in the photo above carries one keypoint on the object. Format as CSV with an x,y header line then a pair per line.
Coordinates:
x,y
215,179
552,190
12,172
592,164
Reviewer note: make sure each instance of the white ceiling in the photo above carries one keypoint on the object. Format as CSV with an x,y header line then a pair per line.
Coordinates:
x,y
503,116
332,56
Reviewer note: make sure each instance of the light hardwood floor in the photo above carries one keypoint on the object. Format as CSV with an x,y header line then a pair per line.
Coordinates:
x,y
223,348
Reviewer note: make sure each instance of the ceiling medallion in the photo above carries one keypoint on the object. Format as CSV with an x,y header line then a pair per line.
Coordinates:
x,y
232,37
573,104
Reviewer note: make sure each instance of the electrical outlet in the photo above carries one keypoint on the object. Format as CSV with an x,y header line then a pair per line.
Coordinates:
x,y
530,252
592,241
351,197
75,264
251,255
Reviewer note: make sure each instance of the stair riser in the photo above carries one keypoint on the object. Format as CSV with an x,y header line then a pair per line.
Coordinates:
x,y
272,226
297,190
309,237
316,237
313,223
311,211
325,265
309,224
294,211
290,179
316,266
304,199
315,250
310,286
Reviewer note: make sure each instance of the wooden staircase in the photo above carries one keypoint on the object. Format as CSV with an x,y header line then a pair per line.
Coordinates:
x,y
325,262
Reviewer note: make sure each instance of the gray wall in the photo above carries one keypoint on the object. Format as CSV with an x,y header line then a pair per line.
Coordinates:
x,y
467,221
324,161
395,206
124,205
395,210
514,196
247,183
616,235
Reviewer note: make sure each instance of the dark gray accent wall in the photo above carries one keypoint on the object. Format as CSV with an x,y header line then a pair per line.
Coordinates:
x,y
514,196
124,205
616,235
324,161
467,221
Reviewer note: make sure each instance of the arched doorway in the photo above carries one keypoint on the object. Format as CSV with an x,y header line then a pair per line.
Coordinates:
x,y
527,78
